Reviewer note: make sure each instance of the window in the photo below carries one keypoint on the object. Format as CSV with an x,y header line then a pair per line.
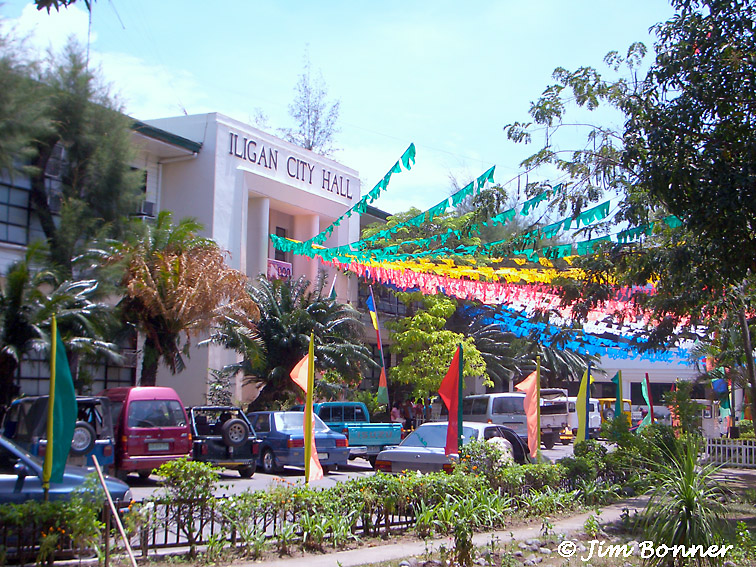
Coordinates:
x,y
280,255
156,413
14,214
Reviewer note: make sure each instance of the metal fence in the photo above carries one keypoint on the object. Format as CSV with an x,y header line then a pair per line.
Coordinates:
x,y
182,525
731,452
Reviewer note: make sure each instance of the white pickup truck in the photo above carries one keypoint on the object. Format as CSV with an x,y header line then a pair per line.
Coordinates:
x,y
554,415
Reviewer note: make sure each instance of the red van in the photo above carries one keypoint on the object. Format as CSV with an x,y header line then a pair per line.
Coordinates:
x,y
151,428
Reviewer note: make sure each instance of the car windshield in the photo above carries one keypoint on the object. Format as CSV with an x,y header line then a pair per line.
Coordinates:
x,y
435,436
294,421
156,413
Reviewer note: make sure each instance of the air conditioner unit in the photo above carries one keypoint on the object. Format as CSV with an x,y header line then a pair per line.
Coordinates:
x,y
147,209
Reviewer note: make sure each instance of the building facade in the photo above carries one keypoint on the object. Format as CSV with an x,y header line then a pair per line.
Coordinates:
x,y
244,185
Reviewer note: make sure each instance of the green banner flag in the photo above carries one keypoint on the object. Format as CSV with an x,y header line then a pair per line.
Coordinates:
x,y
61,412
617,381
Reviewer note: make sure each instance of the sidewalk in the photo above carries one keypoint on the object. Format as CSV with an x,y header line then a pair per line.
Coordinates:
x,y
377,553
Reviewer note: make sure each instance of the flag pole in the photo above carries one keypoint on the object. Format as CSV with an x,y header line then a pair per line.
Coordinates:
x,y
47,467
308,408
459,399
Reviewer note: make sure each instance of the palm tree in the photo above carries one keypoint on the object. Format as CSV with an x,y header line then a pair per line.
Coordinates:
x,y
29,297
289,312
177,285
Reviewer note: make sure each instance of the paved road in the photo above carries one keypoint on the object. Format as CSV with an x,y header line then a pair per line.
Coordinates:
x,y
232,484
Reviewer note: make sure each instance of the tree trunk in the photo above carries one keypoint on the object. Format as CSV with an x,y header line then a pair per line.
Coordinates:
x,y
749,362
8,390
150,360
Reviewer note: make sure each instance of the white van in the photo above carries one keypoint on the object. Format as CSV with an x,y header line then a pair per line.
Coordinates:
x,y
504,409
594,416
507,408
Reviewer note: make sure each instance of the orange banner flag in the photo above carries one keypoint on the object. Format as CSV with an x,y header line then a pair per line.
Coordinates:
x,y
303,375
531,388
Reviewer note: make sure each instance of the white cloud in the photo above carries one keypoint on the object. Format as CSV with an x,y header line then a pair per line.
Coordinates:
x,y
51,31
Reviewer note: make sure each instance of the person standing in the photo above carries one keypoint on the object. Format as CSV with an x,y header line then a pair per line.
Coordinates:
x,y
396,413
408,414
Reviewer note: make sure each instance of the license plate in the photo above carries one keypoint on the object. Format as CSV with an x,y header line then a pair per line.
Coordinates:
x,y
158,446
322,456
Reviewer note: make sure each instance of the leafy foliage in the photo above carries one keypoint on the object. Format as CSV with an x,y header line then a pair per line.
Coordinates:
x,y
684,508
426,348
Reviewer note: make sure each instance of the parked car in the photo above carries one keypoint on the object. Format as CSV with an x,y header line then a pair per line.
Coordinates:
x,y
423,449
351,419
25,423
21,478
224,437
151,428
281,435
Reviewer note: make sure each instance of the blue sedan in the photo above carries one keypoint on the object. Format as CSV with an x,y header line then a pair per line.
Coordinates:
x,y
21,478
281,435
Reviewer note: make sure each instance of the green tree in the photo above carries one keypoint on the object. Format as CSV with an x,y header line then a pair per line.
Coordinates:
x,y
82,182
176,285
686,151
425,348
315,117
289,311
23,113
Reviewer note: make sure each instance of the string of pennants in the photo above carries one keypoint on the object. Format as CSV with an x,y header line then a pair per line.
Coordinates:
x,y
518,289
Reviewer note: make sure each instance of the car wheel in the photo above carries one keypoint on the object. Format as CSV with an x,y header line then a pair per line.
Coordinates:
x,y
269,462
83,438
549,441
247,472
372,459
235,432
326,468
565,441
121,474
144,475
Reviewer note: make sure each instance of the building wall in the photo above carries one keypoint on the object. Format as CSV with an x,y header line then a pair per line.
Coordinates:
x,y
242,185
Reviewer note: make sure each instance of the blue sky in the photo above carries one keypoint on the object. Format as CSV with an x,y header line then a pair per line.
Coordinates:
x,y
445,75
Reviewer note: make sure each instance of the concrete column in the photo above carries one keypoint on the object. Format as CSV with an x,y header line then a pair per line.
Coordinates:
x,y
305,227
258,231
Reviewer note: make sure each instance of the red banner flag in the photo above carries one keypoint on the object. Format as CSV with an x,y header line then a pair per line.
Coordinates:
x,y
449,392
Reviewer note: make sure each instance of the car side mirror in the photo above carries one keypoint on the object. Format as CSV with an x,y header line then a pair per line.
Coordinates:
x,y
21,470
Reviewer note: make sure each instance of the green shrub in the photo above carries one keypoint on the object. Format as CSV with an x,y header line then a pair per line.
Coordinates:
x,y
578,468
519,479
188,488
684,508
746,429
482,458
